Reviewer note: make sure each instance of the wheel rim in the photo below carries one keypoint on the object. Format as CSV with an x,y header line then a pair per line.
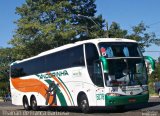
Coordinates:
x,y
84,104
34,103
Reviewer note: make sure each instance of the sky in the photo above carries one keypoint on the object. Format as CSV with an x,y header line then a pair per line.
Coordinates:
x,y
7,19
127,13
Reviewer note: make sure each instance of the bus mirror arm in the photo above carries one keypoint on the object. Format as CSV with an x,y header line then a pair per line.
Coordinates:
x,y
104,63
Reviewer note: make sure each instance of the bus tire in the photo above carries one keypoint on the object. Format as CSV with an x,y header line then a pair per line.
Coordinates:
x,y
26,104
83,104
34,104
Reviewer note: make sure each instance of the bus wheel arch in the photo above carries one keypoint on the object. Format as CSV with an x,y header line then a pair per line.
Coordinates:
x,y
26,103
33,103
83,103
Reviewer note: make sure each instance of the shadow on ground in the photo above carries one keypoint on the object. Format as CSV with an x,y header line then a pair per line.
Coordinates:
x,y
133,107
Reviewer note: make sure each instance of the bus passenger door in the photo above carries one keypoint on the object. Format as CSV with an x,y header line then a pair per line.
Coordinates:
x,y
99,85
95,73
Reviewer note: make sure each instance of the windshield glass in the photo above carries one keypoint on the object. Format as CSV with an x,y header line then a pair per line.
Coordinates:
x,y
119,49
125,63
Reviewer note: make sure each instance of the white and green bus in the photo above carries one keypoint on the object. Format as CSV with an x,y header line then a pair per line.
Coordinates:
x,y
97,72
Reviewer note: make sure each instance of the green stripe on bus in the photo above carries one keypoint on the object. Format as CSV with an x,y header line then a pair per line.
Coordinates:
x,y
67,90
59,94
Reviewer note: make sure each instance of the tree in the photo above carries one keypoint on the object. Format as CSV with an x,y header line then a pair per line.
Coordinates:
x,y
5,60
139,33
46,24
115,31
156,74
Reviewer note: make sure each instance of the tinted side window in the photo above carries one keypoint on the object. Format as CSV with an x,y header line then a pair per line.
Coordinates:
x,y
36,65
28,67
94,67
68,58
54,61
17,71
76,56
91,53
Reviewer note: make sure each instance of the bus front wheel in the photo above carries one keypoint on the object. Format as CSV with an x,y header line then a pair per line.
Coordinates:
x,y
83,104
34,104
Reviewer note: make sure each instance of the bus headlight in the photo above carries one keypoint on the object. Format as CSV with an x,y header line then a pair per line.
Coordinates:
x,y
113,94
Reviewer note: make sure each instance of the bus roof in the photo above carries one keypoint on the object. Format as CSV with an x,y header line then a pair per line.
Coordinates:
x,y
95,41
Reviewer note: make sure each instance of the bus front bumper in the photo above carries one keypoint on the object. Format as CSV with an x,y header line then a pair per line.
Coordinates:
x,y
124,100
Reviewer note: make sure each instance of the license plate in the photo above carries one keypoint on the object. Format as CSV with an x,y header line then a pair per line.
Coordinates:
x,y
132,100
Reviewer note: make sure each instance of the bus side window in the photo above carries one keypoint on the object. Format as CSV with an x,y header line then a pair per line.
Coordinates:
x,y
94,68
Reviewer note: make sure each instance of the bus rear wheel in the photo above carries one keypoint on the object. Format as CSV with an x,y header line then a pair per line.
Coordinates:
x,y
26,104
83,104
34,104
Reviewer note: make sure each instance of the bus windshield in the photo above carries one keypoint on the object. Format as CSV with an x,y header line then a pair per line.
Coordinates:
x,y
115,49
125,64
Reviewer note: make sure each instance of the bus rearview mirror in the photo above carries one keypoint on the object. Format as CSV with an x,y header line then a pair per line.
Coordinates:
x,y
150,64
104,63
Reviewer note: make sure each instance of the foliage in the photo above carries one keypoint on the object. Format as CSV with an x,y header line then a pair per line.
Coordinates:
x,y
115,31
155,76
5,60
139,33
46,24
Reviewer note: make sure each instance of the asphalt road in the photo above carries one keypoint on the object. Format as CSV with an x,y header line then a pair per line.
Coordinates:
x,y
152,108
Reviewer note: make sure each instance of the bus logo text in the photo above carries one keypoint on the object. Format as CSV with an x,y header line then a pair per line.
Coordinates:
x,y
56,74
